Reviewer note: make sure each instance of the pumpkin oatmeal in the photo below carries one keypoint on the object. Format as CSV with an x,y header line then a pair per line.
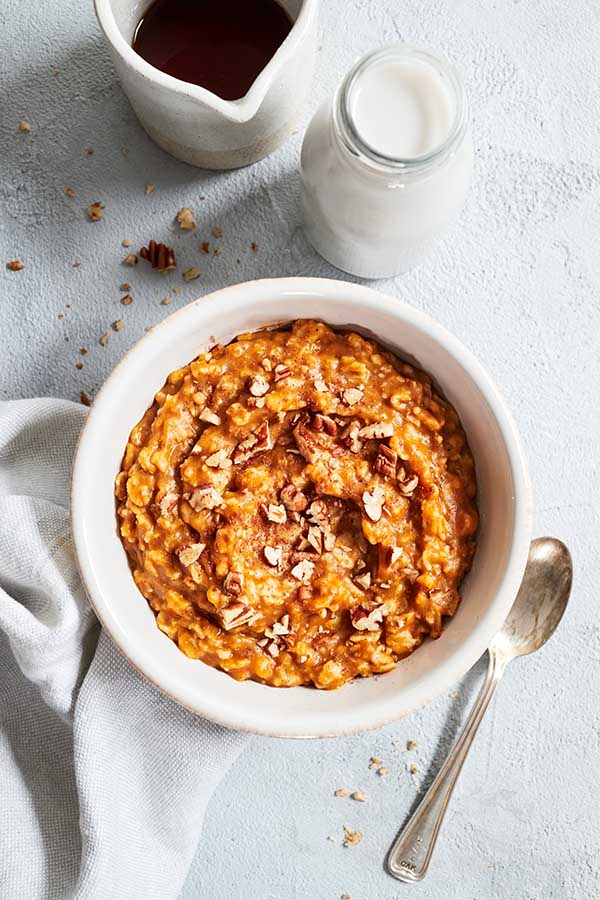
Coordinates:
x,y
298,507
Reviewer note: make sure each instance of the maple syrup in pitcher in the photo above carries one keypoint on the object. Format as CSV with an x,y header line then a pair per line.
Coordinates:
x,y
220,45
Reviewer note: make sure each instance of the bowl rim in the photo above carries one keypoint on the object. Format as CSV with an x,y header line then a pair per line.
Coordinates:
x,y
471,648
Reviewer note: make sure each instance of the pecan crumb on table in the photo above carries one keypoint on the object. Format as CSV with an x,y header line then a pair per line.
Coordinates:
x,y
332,494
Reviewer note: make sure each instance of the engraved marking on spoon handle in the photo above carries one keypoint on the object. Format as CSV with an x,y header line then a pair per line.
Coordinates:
x,y
410,854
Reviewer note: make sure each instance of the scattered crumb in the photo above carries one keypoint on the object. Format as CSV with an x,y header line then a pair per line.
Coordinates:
x,y
217,251
76,264
453,694
89,151
69,192
148,328
24,125
410,745
126,242
83,350
351,838
131,260
345,897
216,232
383,771
127,299
79,365
125,286
254,246
118,325
165,301
375,761
84,398
15,265
397,744
330,838
185,218
95,211
413,769
341,792
149,188
359,795
60,316
175,290
191,274
104,339
205,247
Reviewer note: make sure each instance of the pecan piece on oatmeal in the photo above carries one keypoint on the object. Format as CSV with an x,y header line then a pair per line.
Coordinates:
x,y
168,503
281,372
233,584
409,485
377,430
190,554
315,538
350,437
281,628
303,570
324,423
352,396
274,512
236,613
364,581
256,442
219,460
204,497
207,415
273,555
373,503
259,386
293,499
159,256
385,462
388,555
364,619
317,512
305,442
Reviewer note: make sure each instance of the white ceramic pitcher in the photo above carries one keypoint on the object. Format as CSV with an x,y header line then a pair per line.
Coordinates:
x,y
193,124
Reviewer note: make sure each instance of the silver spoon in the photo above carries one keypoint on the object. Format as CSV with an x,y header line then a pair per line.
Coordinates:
x,y
534,616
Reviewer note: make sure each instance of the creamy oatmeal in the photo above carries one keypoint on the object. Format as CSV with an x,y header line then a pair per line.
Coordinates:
x,y
298,507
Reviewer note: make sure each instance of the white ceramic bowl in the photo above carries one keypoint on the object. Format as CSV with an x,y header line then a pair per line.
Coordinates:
x,y
504,503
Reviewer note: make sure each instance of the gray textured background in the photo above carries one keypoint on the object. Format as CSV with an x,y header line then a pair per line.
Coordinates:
x,y
518,279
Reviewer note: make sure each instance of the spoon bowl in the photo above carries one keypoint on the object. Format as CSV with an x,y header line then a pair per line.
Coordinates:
x,y
540,602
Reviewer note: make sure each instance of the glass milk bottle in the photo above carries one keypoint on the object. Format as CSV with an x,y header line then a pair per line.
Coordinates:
x,y
386,164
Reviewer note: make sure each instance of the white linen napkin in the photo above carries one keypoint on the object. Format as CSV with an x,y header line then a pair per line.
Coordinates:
x,y
104,781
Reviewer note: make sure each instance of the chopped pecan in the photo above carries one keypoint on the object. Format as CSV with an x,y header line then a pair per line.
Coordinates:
x,y
352,396
364,581
233,584
324,423
373,503
204,497
168,503
388,555
328,540
305,442
185,219
293,499
219,460
274,513
364,619
408,487
273,649
282,372
304,593
15,265
159,256
385,462
207,415
259,386
236,613
190,554
315,538
377,430
350,437
257,442
273,555
283,627
303,570
317,512
95,211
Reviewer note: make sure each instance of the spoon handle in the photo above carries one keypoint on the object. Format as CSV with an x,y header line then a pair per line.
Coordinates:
x,y
410,854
